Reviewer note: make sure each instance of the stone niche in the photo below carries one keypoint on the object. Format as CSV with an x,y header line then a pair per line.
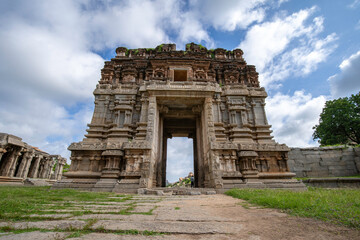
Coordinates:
x,y
146,96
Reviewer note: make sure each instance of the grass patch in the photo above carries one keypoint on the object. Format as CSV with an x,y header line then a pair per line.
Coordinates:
x,y
74,233
339,206
177,208
10,229
17,203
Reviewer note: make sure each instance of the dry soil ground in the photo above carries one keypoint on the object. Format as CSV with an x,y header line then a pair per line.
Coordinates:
x,y
188,217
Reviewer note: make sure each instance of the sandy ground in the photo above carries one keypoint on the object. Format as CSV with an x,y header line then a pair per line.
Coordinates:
x,y
191,217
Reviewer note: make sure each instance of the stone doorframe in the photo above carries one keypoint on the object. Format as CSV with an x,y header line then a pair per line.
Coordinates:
x,y
180,127
181,112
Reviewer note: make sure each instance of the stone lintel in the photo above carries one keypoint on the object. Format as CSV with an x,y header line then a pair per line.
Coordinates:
x,y
137,145
86,146
82,174
113,153
276,175
247,154
14,140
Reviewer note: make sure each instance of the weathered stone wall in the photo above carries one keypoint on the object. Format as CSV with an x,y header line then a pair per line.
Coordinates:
x,y
324,161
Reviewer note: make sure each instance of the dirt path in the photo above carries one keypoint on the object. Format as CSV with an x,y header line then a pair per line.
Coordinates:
x,y
190,217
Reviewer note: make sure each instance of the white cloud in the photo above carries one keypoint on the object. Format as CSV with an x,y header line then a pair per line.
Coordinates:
x,y
180,159
231,14
283,1
299,61
346,82
354,4
134,23
43,123
292,117
288,45
48,65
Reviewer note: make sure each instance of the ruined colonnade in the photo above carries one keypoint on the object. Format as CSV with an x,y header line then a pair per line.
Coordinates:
x,y
19,161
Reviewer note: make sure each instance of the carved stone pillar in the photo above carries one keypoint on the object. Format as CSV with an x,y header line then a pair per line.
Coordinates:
x,y
49,167
144,109
34,173
43,167
17,154
25,164
62,162
59,168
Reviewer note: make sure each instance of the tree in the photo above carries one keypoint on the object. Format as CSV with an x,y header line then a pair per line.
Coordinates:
x,y
66,167
339,122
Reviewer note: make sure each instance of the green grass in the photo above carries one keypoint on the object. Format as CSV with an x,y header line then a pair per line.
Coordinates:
x,y
339,206
17,203
74,232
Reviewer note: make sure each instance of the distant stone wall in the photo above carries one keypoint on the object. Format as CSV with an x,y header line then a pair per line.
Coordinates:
x,y
324,161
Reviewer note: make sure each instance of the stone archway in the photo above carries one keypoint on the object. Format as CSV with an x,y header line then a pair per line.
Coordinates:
x,y
181,127
146,96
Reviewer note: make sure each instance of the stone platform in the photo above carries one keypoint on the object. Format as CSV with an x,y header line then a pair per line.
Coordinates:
x,y
291,184
333,182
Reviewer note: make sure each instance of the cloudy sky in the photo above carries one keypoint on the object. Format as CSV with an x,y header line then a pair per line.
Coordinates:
x,y
51,53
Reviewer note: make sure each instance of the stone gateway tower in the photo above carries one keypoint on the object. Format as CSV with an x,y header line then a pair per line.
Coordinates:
x,y
146,96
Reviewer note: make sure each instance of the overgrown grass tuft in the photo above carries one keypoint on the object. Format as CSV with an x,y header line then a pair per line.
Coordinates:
x,y
339,206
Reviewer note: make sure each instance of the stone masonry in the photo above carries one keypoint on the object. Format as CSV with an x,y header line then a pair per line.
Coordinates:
x,y
19,161
325,161
146,96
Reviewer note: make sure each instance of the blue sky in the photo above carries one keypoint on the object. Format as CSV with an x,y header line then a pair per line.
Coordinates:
x,y
51,53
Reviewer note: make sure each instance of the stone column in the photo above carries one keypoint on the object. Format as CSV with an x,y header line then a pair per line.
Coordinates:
x,y
10,168
8,161
28,164
41,167
23,163
34,173
49,167
144,109
59,168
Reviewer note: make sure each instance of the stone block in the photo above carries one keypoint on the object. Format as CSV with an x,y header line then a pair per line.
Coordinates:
x,y
168,193
348,157
322,173
36,182
194,193
339,168
141,191
210,192
357,163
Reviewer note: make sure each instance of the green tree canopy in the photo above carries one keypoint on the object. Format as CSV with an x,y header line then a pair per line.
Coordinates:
x,y
339,122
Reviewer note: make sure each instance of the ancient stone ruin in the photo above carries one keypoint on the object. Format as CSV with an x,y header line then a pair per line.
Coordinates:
x,y
146,96
19,161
